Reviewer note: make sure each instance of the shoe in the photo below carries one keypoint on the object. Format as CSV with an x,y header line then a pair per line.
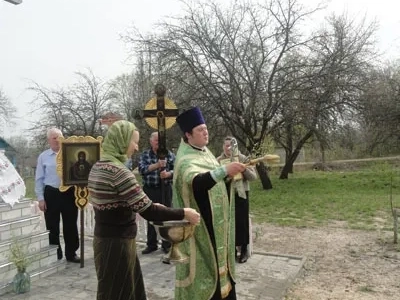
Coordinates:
x,y
165,250
59,254
243,257
75,259
148,250
165,260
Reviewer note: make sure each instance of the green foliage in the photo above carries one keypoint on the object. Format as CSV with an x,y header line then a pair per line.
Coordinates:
x,y
19,254
357,199
30,187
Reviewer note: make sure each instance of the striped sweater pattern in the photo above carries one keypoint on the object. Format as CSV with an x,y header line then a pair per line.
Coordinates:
x,y
112,186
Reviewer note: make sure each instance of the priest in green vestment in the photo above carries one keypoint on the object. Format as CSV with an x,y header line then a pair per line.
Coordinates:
x,y
199,184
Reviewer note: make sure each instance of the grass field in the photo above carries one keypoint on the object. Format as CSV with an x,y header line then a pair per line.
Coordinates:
x,y
356,199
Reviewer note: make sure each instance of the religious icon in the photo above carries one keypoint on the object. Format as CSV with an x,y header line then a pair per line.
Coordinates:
x,y
75,159
81,168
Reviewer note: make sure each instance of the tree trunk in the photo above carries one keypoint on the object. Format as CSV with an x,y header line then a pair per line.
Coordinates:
x,y
322,147
263,173
291,157
287,168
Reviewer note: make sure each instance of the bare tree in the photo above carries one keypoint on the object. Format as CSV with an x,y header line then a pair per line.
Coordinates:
x,y
132,91
226,60
326,86
380,112
229,59
7,110
125,94
75,110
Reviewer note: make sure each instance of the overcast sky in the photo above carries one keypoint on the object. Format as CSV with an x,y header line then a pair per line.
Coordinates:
x,y
46,41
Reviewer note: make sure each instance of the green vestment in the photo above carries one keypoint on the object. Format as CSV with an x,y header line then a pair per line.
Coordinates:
x,y
197,279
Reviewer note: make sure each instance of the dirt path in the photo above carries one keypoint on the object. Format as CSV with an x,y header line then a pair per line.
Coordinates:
x,y
341,263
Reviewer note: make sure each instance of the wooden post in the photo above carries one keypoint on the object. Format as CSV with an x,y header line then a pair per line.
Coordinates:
x,y
81,200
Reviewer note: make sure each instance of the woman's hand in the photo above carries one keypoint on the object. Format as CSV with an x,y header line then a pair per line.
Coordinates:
x,y
192,216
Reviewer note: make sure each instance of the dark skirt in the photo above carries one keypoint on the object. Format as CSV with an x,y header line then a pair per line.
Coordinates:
x,y
119,276
242,225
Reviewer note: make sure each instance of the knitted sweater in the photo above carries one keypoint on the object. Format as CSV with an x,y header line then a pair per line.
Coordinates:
x,y
116,197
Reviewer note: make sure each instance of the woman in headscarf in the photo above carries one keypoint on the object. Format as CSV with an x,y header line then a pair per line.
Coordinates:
x,y
116,197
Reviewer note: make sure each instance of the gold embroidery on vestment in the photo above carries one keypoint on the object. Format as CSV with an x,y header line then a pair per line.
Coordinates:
x,y
225,290
223,271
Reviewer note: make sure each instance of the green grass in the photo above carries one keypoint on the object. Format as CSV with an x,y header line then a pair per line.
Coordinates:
x,y
355,199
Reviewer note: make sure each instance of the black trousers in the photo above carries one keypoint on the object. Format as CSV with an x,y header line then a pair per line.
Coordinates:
x,y
155,195
62,204
242,226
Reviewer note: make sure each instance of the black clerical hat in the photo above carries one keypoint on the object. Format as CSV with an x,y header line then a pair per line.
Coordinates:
x,y
189,119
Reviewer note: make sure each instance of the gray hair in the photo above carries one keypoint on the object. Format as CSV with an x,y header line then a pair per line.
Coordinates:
x,y
153,135
52,131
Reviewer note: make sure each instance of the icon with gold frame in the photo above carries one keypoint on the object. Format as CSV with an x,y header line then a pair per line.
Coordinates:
x,y
76,156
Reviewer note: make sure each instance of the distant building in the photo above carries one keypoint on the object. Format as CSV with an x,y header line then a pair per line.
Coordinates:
x,y
9,151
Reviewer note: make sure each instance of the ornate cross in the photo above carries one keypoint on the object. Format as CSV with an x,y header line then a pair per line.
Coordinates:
x,y
160,114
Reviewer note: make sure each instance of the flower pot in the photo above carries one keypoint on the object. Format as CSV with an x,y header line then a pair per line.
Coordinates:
x,y
21,282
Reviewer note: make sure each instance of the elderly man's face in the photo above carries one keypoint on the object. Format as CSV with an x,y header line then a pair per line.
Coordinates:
x,y
154,142
53,141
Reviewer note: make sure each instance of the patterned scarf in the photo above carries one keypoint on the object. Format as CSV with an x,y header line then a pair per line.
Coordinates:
x,y
116,141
